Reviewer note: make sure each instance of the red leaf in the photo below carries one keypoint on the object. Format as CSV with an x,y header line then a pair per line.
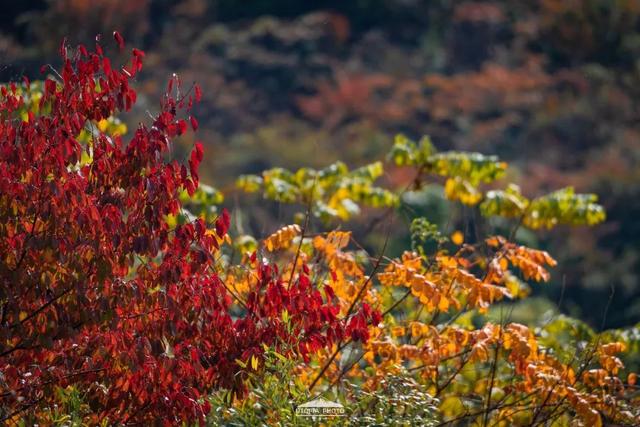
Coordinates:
x,y
49,87
329,291
222,223
182,127
197,153
226,218
175,311
190,187
106,66
138,53
119,39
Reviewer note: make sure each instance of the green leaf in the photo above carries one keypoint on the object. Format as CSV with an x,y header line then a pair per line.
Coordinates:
x,y
475,168
509,203
564,206
334,192
249,183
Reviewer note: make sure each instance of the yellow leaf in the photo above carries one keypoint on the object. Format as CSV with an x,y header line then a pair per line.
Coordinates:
x,y
443,304
282,238
451,407
398,331
457,237
102,125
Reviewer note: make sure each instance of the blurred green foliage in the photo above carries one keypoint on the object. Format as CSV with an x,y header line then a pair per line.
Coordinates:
x,y
330,193
562,206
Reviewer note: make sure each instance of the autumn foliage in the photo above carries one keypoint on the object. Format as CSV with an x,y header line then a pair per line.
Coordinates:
x,y
111,289
98,292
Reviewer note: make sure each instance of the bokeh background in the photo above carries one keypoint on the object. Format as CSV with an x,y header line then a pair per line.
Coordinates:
x,y
551,86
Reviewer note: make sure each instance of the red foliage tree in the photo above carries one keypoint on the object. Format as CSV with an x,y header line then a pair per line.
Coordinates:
x,y
97,291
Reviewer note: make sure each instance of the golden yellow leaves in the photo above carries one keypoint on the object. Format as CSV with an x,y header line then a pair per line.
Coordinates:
x,y
457,238
342,264
453,341
448,357
612,348
556,382
419,330
385,350
537,373
427,288
542,375
605,386
398,331
282,238
112,126
334,241
254,363
481,342
240,281
595,377
531,262
585,409
461,190
601,379
428,346
345,275
521,341
517,288
608,360
479,294
446,288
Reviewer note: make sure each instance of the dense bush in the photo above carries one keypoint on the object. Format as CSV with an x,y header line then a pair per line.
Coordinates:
x,y
126,299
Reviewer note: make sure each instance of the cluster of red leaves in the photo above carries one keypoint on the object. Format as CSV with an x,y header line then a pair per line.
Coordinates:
x,y
96,290
313,323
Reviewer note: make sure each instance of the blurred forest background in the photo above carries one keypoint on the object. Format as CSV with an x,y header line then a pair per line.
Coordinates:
x,y
551,86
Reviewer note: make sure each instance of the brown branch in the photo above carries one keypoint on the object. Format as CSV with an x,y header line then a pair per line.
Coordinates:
x,y
304,229
441,388
494,367
41,308
349,311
